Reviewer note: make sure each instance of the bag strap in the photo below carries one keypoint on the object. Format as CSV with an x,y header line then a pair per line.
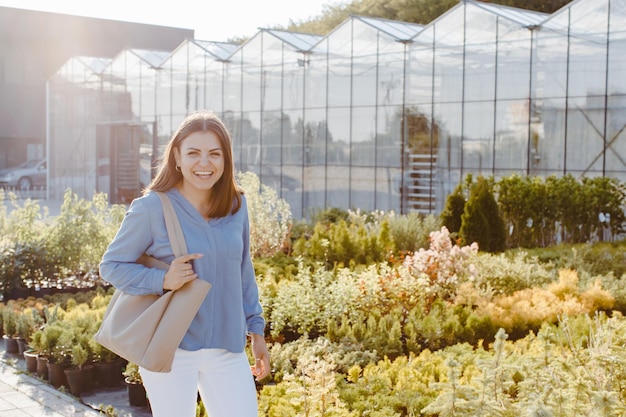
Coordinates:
x,y
174,231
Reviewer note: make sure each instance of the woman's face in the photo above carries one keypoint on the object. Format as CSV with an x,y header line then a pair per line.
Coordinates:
x,y
201,160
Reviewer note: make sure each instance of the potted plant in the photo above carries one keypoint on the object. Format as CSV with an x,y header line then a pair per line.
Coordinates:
x,y
134,386
27,320
108,365
27,324
56,345
9,326
38,348
78,375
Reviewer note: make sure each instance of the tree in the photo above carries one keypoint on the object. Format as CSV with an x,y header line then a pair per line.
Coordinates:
x,y
412,11
481,220
452,212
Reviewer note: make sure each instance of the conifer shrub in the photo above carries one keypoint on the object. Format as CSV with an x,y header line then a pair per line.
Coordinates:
x,y
481,220
451,216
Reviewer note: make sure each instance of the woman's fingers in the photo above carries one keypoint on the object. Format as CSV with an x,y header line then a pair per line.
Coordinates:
x,y
180,272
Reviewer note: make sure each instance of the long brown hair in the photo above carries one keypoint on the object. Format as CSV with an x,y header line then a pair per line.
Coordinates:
x,y
225,194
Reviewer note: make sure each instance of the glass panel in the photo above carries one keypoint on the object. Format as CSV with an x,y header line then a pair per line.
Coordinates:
x,y
585,130
448,118
362,188
180,89
477,137
615,157
480,54
314,189
232,84
163,91
363,136
252,74
315,137
388,141
271,139
213,87
365,50
449,57
338,187
250,141
390,73
338,136
272,72
513,76
388,189
292,188
511,137
587,66
293,140
550,64
316,76
294,70
339,64
420,68
550,146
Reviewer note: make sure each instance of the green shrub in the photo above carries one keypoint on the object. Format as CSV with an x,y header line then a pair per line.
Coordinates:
x,y
451,216
481,221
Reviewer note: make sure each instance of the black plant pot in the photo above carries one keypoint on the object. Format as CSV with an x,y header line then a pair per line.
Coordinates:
x,y
56,374
79,379
109,374
10,344
136,394
42,366
31,361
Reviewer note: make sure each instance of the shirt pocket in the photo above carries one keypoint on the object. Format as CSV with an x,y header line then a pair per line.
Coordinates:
x,y
230,244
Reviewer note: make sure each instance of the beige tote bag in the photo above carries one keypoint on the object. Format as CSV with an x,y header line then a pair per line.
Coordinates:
x,y
147,329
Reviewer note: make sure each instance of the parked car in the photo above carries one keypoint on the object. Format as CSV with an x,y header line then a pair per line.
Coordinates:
x,y
24,176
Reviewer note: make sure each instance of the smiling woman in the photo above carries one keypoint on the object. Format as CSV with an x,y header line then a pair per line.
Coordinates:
x,y
197,174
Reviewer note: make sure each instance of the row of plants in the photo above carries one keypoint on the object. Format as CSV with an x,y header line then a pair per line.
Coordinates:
x,y
39,252
413,337
355,300
527,212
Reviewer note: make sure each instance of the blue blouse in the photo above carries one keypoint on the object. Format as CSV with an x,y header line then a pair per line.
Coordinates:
x,y
232,306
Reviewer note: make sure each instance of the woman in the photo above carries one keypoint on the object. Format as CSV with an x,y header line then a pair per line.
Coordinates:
x,y
197,174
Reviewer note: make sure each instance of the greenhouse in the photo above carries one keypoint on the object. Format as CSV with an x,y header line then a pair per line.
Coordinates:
x,y
376,115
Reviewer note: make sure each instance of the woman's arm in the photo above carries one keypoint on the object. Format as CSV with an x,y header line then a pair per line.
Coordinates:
x,y
119,266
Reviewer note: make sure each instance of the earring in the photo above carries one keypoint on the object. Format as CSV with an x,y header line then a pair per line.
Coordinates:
x,y
177,168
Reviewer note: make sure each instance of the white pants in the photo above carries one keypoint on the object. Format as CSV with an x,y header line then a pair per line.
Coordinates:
x,y
223,378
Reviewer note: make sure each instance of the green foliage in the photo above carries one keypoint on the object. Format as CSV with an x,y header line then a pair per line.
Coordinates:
x,y
270,216
453,211
36,248
131,373
9,321
360,240
414,11
505,273
481,221
80,234
411,232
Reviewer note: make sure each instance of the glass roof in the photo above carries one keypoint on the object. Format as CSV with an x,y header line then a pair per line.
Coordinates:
x,y
525,18
97,65
401,31
301,41
152,57
220,50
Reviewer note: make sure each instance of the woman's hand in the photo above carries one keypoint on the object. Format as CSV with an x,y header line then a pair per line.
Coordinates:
x,y
261,367
180,272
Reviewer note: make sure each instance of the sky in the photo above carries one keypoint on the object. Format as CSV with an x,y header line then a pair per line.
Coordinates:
x,y
211,20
